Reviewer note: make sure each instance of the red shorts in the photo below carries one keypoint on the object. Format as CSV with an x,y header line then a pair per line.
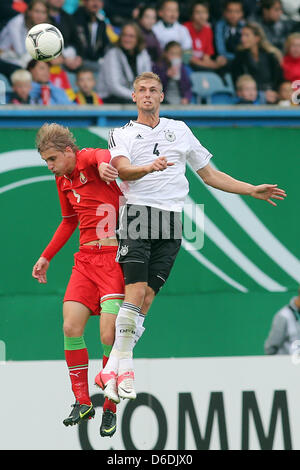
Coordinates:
x,y
96,278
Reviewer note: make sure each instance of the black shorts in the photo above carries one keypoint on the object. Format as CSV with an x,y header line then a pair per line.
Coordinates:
x,y
149,240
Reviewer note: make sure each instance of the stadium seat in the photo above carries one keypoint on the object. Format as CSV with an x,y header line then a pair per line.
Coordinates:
x,y
206,85
222,97
6,82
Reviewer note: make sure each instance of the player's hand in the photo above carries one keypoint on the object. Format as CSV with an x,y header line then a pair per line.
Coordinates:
x,y
40,269
268,192
160,164
107,172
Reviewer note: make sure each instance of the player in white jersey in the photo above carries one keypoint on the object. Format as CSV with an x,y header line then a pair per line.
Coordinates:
x,y
150,155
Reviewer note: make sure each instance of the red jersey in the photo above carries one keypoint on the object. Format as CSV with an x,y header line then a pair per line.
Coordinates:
x,y
203,40
86,199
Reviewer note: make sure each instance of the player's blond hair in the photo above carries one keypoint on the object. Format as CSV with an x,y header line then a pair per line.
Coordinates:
x,y
147,76
55,136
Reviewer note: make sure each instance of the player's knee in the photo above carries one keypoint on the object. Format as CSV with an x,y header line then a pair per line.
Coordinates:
x,y
107,337
72,330
135,293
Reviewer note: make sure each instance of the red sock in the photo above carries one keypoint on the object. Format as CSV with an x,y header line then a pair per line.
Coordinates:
x,y
108,404
77,361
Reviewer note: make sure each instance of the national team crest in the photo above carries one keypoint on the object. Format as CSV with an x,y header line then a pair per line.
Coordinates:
x,y
82,177
170,136
124,250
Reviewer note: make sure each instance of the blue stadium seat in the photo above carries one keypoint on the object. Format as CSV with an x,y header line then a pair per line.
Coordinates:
x,y
6,82
206,85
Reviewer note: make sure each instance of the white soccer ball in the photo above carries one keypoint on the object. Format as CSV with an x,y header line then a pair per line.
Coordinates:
x,y
44,42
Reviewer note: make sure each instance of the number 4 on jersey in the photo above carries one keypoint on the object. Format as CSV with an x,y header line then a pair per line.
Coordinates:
x,y
156,151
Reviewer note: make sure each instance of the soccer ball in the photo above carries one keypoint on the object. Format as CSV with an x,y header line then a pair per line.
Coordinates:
x,y
44,42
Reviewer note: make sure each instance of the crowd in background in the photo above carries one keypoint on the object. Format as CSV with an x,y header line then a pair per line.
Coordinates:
x,y
217,51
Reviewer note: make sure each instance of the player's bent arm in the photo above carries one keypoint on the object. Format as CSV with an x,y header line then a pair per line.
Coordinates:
x,y
219,180
129,172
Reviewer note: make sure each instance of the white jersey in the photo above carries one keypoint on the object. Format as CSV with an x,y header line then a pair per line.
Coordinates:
x,y
142,144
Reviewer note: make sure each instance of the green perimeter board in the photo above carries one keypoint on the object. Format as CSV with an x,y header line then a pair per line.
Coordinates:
x,y
197,313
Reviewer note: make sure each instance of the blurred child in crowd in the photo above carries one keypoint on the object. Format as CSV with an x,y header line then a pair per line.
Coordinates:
x,y
228,30
21,84
203,39
285,94
291,59
173,74
86,84
168,28
246,90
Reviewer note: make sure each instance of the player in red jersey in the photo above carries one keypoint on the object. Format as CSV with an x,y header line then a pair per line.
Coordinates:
x,y
96,284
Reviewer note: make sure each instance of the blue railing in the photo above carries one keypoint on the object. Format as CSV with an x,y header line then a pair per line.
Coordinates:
x,y
113,115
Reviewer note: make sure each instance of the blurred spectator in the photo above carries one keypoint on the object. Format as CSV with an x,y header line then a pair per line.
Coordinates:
x,y
7,69
92,34
120,12
276,28
111,31
86,84
67,26
216,8
174,77
70,6
43,91
284,335
285,94
21,85
292,9
169,29
228,29
258,58
291,59
60,78
246,90
12,37
203,39
147,18
122,64
10,8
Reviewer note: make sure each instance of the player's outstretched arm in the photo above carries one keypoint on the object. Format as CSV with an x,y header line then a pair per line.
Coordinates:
x,y
40,268
129,172
219,180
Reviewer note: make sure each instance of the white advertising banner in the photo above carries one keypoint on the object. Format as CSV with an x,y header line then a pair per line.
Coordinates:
x,y
236,403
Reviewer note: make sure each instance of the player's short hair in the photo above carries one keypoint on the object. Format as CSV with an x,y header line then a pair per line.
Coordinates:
x,y
21,75
244,79
147,76
55,136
